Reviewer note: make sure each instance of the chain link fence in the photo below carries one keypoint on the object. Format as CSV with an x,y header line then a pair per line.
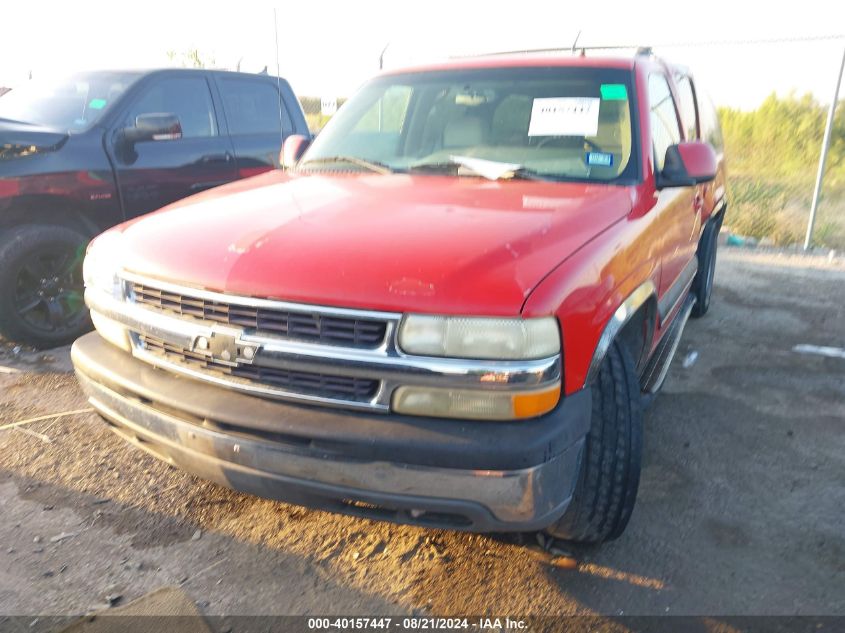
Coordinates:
x,y
772,157
774,211
313,112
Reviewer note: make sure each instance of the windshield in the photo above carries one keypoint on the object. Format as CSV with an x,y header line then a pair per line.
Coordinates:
x,y
70,104
552,122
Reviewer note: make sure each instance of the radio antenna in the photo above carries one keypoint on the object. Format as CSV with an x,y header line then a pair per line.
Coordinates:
x,y
576,40
278,77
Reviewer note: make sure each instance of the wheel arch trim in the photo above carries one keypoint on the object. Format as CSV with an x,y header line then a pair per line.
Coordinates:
x,y
623,314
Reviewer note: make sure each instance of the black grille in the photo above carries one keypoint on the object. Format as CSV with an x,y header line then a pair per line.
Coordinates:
x,y
302,382
302,326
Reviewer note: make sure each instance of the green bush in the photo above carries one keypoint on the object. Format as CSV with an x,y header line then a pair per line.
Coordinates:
x,y
773,155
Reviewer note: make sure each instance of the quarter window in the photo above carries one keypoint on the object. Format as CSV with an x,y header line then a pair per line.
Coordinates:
x,y
664,120
254,107
186,97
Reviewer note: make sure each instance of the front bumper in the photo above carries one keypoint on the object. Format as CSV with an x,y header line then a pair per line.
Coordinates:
x,y
481,476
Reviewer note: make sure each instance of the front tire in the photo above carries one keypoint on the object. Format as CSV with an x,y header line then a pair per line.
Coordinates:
x,y
610,470
41,287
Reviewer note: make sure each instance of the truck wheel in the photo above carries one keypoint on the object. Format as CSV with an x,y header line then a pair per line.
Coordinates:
x,y
610,467
41,288
702,287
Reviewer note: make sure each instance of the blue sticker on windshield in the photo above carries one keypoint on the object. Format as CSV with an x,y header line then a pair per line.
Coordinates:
x,y
97,104
599,159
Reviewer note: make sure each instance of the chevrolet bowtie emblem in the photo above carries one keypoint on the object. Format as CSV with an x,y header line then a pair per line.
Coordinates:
x,y
226,347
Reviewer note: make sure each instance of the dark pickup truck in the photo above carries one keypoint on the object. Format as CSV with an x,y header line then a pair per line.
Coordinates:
x,y
80,155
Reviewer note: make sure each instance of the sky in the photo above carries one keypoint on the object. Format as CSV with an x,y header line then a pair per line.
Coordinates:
x,y
328,48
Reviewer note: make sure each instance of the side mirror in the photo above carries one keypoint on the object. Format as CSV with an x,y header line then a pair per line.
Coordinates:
x,y
293,149
160,126
687,164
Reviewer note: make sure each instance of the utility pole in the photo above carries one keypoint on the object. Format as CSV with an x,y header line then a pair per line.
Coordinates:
x,y
381,57
823,159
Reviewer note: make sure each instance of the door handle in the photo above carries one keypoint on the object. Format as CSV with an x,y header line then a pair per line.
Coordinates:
x,y
216,158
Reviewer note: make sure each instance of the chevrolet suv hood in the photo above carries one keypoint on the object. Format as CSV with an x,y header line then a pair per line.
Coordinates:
x,y
397,243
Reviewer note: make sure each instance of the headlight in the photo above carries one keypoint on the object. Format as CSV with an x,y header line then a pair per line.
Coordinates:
x,y
99,271
479,337
102,263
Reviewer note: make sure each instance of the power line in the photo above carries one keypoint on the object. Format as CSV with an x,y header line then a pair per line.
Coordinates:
x,y
701,44
772,40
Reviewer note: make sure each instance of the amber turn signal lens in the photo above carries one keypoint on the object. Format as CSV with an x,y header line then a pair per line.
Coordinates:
x,y
475,404
530,405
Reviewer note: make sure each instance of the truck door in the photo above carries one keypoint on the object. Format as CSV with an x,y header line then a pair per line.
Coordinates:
x,y
258,121
151,174
678,211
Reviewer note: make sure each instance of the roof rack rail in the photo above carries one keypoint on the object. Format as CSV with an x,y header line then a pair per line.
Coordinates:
x,y
639,50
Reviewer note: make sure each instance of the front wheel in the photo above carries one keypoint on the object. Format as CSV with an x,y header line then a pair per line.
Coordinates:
x,y
610,468
41,287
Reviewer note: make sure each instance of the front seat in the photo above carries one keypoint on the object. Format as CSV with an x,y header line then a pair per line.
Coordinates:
x,y
463,131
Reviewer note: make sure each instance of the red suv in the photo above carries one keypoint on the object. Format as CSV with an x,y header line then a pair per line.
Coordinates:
x,y
448,310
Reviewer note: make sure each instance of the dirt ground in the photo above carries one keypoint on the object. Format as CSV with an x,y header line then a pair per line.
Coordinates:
x,y
740,509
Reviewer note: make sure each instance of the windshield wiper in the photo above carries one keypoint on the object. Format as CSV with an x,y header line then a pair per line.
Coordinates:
x,y
445,167
490,169
379,168
524,173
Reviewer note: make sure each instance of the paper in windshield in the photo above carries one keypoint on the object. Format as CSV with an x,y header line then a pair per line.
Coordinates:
x,y
564,116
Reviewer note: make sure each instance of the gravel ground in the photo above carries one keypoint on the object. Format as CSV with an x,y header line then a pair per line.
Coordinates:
x,y
739,512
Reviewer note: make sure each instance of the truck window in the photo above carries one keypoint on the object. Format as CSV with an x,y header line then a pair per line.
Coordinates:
x,y
186,97
74,104
252,107
379,129
689,116
664,120
570,124
710,130
387,114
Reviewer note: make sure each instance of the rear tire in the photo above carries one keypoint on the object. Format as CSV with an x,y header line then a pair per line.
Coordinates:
x,y
41,287
702,287
610,470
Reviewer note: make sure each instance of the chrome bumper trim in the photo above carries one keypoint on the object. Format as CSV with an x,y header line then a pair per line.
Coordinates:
x,y
252,388
256,302
386,364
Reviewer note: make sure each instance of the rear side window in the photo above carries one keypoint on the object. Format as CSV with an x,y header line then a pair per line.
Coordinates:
x,y
186,97
664,121
710,130
686,96
252,107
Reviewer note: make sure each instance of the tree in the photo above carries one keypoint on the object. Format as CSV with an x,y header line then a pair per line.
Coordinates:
x,y
191,58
